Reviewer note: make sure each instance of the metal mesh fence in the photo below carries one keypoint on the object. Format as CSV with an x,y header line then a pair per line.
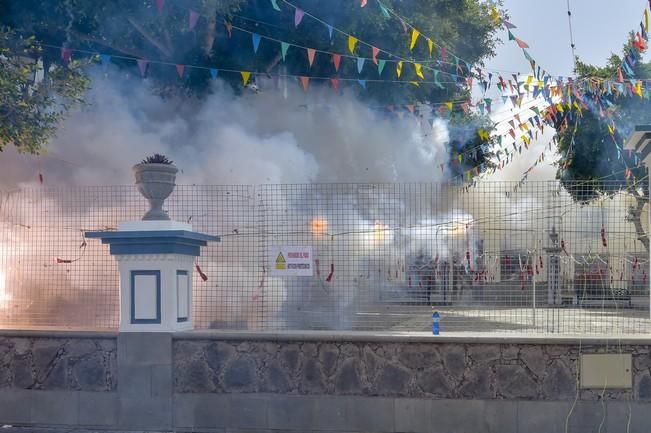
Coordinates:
x,y
493,258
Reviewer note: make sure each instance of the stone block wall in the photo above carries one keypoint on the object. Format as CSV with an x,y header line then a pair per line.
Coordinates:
x,y
466,371
63,364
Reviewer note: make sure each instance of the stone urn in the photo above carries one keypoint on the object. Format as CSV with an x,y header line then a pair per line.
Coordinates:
x,y
155,180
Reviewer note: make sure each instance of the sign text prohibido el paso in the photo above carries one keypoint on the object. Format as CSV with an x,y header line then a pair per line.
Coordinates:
x,y
291,261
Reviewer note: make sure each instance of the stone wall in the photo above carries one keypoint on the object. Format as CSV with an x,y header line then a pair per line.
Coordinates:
x,y
411,370
65,364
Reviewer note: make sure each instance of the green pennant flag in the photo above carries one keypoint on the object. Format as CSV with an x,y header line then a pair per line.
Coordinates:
x,y
511,37
380,66
384,9
275,5
284,46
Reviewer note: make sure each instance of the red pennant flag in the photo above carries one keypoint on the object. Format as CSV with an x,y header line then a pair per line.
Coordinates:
x,y
66,53
310,55
522,44
305,81
410,107
193,17
376,51
160,4
180,69
336,59
332,271
363,3
142,65
203,276
335,83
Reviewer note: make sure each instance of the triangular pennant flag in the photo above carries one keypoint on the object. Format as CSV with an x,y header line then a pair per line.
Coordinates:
x,y
142,65
419,70
430,46
105,59
214,73
414,37
380,66
646,20
229,28
362,83
255,38
508,25
363,3
180,69
360,64
444,53
329,30
511,37
193,17
336,59
335,83
352,42
410,107
399,68
160,4
298,16
310,55
404,25
384,10
284,46
521,43
305,82
274,5
375,51
245,77
449,105
66,53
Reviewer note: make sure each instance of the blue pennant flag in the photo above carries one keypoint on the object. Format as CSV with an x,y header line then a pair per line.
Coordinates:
x,y
360,64
214,73
362,83
256,41
329,30
105,59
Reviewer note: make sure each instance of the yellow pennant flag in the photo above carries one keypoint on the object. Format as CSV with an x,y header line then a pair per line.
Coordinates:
x,y
460,158
638,87
430,45
646,20
529,80
414,37
399,68
415,83
245,77
611,130
352,42
559,107
449,105
419,70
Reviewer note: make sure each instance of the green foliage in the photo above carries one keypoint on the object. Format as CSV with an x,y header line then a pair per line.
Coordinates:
x,y
34,97
157,158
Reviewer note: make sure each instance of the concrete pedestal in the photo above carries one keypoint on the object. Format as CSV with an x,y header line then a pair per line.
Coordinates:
x,y
155,261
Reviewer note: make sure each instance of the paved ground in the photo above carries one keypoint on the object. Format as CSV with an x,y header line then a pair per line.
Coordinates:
x,y
571,320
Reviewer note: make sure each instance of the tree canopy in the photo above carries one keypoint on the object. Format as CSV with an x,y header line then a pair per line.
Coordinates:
x,y
463,34
591,140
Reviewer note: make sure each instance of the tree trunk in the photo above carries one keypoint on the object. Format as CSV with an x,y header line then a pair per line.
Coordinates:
x,y
636,217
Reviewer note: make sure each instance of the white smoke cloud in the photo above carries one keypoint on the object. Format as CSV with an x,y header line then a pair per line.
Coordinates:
x,y
249,139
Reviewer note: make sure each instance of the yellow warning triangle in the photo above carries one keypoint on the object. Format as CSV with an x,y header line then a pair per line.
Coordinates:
x,y
280,258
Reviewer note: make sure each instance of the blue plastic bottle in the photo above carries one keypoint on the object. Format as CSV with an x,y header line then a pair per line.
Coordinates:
x,y
436,322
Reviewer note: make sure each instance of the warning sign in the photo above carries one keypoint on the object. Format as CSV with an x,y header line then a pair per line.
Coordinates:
x,y
291,261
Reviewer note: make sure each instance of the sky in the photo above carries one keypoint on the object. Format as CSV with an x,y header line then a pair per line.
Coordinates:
x,y
600,27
